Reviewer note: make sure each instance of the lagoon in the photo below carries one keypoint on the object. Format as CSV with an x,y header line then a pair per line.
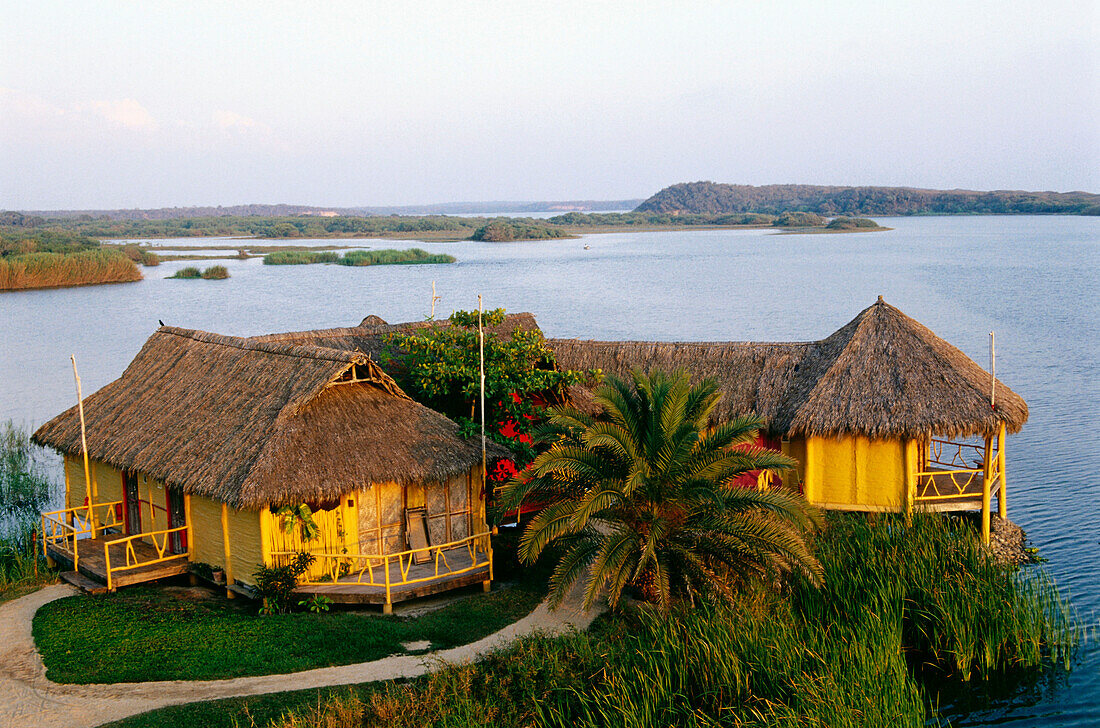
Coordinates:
x,y
1035,280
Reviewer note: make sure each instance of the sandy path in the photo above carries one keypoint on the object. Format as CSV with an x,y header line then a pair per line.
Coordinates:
x,y
28,698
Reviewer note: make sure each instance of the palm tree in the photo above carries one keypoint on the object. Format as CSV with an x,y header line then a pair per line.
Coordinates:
x,y
642,495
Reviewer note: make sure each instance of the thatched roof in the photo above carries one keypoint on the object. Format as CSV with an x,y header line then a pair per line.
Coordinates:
x,y
881,375
256,423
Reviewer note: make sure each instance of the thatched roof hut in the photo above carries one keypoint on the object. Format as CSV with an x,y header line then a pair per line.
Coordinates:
x,y
254,423
882,375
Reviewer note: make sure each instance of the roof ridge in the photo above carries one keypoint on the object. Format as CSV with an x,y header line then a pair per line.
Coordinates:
x,y
687,343
303,351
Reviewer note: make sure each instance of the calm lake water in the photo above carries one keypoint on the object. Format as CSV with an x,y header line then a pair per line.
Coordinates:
x,y
1034,280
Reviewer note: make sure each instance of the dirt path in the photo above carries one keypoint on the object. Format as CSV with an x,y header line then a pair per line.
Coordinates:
x,y
28,698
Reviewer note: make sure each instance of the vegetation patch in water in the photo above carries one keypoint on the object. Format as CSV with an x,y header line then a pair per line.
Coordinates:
x,y
357,257
213,273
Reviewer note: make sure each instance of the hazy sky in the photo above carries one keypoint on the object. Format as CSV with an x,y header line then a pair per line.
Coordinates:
x,y
142,104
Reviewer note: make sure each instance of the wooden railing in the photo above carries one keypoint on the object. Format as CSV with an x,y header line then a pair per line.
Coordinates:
x,y
160,540
375,569
949,454
61,529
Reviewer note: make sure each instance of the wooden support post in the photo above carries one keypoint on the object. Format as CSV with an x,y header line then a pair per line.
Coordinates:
x,y
987,473
1002,494
68,490
809,469
910,476
84,444
229,593
486,585
187,522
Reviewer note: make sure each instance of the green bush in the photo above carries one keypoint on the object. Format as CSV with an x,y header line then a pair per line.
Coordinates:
x,y
502,231
275,584
188,272
799,219
851,223
215,273
149,258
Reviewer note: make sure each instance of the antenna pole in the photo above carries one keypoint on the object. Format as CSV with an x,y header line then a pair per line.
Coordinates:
x,y
481,359
992,371
83,445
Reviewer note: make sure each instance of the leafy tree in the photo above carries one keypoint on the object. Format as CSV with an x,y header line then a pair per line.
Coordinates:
x,y
441,370
643,495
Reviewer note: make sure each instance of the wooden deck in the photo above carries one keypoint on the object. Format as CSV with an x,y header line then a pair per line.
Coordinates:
x,y
948,497
92,563
347,591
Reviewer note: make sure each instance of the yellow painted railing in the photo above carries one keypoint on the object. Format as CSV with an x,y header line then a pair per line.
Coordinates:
x,y
61,529
160,543
960,478
378,569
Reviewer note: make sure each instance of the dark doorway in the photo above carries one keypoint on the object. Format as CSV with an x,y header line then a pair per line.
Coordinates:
x,y
131,503
177,517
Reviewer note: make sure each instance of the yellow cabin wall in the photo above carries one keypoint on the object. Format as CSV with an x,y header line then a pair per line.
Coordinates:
x,y
245,549
206,528
74,471
857,473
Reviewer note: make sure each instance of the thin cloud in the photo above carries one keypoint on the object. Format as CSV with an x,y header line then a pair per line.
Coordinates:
x,y
231,120
127,113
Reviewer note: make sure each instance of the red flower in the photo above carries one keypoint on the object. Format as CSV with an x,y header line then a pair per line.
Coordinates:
x,y
515,398
509,429
503,470
524,438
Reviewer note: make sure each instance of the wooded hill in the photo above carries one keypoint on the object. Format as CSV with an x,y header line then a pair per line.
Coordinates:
x,y
715,198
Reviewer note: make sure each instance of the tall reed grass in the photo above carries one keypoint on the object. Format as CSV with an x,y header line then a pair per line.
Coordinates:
x,y
24,490
45,270
897,598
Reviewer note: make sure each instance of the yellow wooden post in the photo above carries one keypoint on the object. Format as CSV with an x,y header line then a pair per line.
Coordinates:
x,y
229,594
987,473
107,565
68,491
387,608
93,501
266,544
1002,496
810,469
149,499
910,475
83,444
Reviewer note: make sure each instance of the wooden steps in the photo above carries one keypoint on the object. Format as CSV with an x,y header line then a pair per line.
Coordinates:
x,y
83,583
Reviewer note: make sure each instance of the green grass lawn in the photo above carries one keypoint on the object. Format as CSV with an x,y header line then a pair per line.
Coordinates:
x,y
150,633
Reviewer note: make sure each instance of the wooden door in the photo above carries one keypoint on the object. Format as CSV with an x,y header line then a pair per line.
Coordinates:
x,y
381,519
177,517
131,503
